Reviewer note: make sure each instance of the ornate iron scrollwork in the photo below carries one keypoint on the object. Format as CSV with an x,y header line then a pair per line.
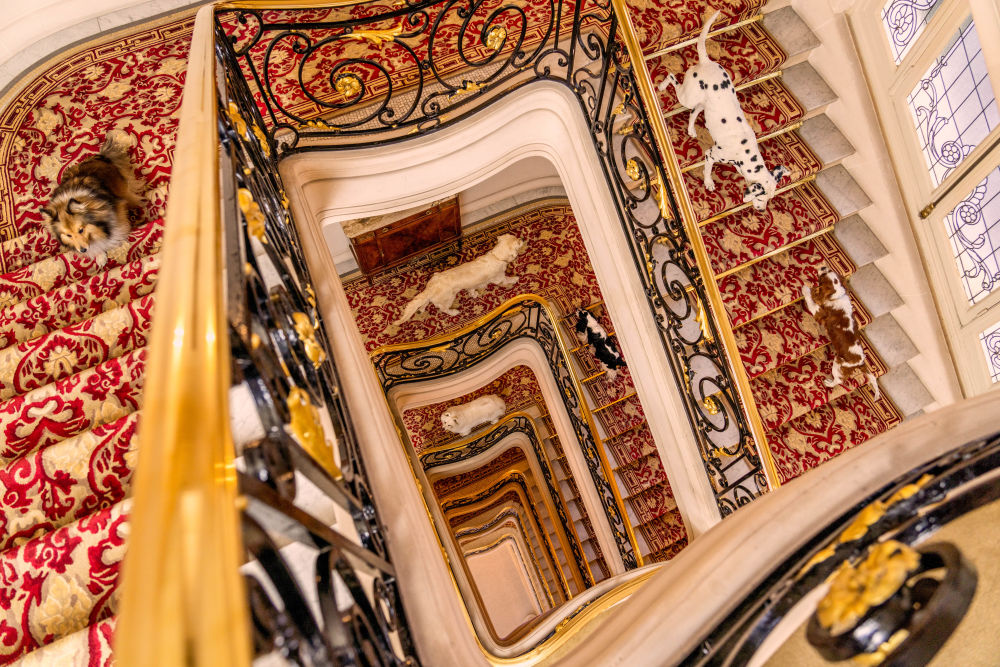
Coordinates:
x,y
377,73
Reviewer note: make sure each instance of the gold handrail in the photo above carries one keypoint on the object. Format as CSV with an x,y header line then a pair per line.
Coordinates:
x,y
181,580
718,310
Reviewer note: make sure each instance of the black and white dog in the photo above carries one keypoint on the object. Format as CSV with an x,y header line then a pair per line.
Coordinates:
x,y
590,332
707,87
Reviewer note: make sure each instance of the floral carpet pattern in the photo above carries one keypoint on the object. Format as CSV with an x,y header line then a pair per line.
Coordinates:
x,y
72,341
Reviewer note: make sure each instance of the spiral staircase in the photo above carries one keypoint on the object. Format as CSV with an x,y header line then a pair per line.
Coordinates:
x,y
74,333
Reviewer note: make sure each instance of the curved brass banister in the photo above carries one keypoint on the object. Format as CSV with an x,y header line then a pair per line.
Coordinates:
x,y
690,220
181,580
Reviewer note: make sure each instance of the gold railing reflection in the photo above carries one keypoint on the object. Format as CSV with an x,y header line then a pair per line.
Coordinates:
x,y
182,596
718,309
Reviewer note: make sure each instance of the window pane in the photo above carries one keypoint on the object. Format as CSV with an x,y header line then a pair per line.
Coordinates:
x,y
974,229
953,107
990,340
903,21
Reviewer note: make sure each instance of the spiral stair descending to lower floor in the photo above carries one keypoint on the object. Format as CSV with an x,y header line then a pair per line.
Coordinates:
x,y
74,333
73,336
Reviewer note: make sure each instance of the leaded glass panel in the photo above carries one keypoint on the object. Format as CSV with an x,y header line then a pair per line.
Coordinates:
x,y
974,229
990,340
903,21
953,106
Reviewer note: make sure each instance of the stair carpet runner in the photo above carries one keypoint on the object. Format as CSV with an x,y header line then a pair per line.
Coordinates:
x,y
73,336
636,466
762,259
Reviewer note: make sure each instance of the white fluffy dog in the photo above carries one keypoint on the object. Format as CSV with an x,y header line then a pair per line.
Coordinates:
x,y
461,419
474,276
707,87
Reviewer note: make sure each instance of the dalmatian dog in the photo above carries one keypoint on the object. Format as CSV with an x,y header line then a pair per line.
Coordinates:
x,y
473,275
462,419
707,88
590,332
829,303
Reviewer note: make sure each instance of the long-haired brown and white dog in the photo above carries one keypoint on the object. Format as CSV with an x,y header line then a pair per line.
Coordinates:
x,y
829,303
88,211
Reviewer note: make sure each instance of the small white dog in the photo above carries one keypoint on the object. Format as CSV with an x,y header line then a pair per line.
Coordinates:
x,y
461,419
474,276
707,87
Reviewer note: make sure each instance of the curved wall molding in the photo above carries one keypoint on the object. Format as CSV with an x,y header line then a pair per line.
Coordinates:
x,y
540,120
35,31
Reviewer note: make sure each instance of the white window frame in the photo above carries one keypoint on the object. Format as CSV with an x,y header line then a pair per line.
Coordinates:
x,y
962,322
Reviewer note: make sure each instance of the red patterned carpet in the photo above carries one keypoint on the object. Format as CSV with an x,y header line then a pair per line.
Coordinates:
x,y
763,258
74,336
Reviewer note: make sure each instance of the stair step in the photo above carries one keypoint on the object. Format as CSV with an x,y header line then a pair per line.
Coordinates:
x,y
791,32
631,446
652,503
72,349
785,149
90,647
747,53
79,301
621,416
767,286
784,336
75,404
827,431
667,552
67,480
750,234
769,109
63,581
641,475
664,530
603,391
52,272
796,388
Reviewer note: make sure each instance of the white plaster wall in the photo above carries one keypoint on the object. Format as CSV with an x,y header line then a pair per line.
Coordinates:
x,y
837,62
541,120
31,31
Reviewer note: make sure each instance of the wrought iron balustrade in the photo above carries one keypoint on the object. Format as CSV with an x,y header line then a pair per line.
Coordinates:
x,y
524,317
280,355
376,72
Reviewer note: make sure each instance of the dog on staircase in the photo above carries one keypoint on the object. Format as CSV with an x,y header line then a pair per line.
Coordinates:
x,y
829,303
707,88
88,211
473,275
590,332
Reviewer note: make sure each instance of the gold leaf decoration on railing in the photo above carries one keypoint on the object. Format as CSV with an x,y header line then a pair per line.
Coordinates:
x,y
348,85
307,429
711,405
236,118
702,319
307,333
865,518
660,196
467,87
495,37
377,37
262,138
253,214
632,169
856,589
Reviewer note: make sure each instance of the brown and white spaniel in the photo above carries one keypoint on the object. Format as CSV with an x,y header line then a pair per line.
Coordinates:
x,y
829,304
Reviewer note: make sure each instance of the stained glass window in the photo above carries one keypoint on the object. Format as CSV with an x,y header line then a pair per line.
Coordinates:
x,y
953,106
974,229
990,340
903,21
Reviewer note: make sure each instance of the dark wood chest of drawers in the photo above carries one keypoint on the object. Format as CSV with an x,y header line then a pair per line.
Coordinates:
x,y
401,240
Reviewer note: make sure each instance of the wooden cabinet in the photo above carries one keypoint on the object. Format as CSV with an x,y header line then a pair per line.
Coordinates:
x,y
401,240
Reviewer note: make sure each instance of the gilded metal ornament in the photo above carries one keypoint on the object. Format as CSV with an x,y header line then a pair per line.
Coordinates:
x,y
253,214
348,85
495,37
307,333
308,430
